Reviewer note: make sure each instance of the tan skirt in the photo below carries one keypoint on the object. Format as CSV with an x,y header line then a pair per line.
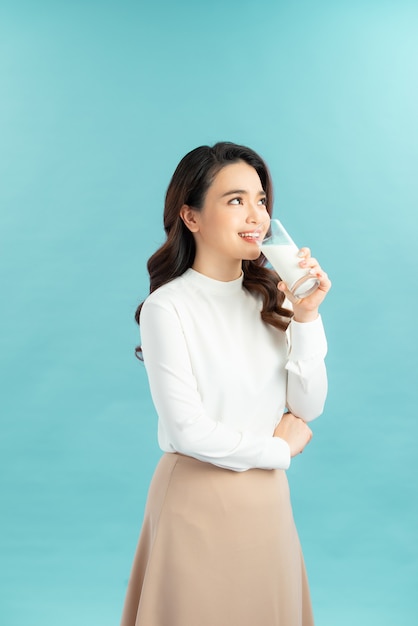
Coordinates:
x,y
217,548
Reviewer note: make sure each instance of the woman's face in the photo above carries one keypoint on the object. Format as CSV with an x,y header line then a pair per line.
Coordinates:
x,y
224,229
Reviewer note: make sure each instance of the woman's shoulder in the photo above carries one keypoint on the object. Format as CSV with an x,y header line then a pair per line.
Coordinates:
x,y
170,292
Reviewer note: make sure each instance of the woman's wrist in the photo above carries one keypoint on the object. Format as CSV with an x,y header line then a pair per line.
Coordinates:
x,y
303,317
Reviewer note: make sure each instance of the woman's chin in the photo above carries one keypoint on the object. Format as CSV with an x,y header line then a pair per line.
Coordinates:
x,y
252,255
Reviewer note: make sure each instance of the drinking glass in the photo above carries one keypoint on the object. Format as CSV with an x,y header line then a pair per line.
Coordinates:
x,y
282,252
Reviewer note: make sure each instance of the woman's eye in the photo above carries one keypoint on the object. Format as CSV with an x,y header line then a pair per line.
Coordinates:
x,y
236,201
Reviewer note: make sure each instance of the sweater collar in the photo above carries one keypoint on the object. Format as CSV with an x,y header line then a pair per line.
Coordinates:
x,y
212,285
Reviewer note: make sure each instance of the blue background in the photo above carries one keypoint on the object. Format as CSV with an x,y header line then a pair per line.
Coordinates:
x,y
99,101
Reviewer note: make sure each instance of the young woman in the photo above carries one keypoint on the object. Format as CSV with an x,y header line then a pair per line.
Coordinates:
x,y
234,375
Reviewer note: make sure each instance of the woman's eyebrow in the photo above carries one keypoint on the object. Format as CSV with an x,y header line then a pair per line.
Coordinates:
x,y
242,192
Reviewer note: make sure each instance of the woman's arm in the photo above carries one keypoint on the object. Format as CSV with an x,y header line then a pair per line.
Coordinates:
x,y
176,397
307,378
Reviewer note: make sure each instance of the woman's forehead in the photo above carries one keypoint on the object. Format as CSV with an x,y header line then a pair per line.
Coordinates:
x,y
239,177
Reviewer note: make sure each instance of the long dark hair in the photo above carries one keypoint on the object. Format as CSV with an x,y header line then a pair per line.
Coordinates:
x,y
188,186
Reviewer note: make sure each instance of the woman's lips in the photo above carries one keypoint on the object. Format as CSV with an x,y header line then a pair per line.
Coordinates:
x,y
251,236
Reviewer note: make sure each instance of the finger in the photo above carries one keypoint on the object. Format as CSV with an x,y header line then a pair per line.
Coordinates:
x,y
289,295
309,262
324,281
304,253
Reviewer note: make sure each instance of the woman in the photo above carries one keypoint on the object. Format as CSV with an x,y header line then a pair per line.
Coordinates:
x,y
234,376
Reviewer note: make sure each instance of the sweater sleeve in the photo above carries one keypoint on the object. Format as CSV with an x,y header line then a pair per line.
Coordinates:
x,y
307,379
174,390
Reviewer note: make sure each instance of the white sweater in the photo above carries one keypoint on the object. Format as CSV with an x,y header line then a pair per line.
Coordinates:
x,y
220,378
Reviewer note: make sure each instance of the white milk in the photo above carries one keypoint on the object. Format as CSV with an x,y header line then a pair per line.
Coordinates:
x,y
284,258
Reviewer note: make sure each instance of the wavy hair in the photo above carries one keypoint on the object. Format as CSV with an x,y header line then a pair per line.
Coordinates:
x,y
190,182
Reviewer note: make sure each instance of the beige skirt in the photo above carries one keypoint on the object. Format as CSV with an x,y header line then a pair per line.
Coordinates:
x,y
217,548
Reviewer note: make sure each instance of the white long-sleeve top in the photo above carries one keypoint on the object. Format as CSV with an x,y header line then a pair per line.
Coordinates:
x,y
220,378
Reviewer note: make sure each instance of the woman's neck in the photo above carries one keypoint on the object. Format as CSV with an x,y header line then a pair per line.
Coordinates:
x,y
223,270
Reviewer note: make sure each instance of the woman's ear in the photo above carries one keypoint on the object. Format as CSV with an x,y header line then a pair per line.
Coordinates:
x,y
189,217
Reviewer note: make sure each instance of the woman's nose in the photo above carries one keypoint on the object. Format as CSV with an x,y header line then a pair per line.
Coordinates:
x,y
253,213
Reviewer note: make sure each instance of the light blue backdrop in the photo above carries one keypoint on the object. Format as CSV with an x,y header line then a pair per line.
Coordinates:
x,y
99,101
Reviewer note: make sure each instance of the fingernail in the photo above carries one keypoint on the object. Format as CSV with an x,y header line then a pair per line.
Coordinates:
x,y
301,254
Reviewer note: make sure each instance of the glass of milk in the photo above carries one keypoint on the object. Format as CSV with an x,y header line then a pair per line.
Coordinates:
x,y
282,252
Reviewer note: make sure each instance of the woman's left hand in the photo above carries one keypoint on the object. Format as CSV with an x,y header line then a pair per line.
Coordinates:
x,y
306,310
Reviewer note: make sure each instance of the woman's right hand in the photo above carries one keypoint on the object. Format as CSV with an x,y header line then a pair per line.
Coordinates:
x,y
294,431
